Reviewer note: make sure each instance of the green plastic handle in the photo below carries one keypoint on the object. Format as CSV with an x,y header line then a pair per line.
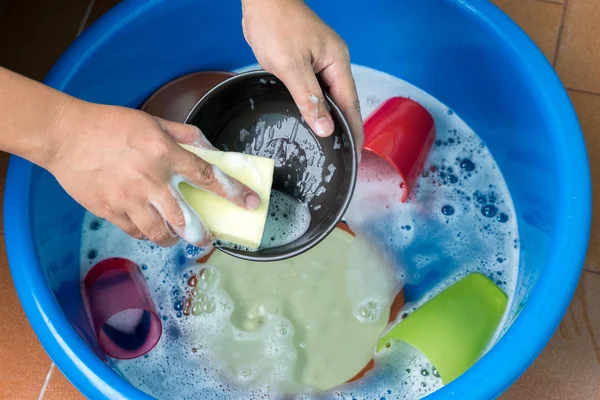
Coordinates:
x,y
453,329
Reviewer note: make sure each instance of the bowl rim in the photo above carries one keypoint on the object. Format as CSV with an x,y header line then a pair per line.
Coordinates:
x,y
345,127
510,357
180,79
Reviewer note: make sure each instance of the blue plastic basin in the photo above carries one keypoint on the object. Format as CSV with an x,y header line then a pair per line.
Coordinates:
x,y
468,54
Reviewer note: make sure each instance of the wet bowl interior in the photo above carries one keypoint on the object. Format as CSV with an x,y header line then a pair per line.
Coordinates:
x,y
254,113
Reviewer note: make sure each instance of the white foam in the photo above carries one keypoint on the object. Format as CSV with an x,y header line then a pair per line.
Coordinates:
x,y
195,231
229,186
336,143
331,168
411,376
289,142
287,220
243,135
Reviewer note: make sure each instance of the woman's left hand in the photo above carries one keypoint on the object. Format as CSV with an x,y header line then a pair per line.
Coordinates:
x,y
293,43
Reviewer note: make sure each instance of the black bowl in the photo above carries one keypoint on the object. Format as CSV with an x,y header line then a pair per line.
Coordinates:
x,y
254,113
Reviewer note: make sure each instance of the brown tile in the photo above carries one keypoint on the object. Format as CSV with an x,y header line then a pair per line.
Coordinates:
x,y
541,21
23,362
33,34
100,7
587,106
578,61
59,388
569,367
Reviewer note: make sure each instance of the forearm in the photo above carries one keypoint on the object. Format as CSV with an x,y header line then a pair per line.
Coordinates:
x,y
265,4
35,118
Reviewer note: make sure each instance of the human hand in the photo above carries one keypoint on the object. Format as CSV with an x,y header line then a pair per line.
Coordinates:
x,y
293,43
122,165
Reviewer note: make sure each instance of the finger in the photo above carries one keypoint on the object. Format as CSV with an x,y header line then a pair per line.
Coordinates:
x,y
123,222
185,133
302,83
206,176
338,77
152,225
174,211
194,231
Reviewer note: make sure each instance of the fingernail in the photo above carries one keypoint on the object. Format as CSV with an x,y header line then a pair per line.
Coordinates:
x,y
252,201
324,126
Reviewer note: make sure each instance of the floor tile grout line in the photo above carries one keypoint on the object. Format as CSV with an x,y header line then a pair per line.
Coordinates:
x,y
550,2
46,382
583,91
86,17
561,27
591,271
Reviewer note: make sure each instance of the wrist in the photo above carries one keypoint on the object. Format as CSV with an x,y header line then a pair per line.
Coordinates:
x,y
69,119
39,119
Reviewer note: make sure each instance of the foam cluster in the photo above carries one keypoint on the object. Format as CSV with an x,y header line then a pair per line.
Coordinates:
x,y
287,220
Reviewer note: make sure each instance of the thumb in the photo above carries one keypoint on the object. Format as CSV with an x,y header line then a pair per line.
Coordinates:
x,y
184,133
206,176
304,87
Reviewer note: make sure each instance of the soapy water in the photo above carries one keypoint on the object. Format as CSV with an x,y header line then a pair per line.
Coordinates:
x,y
409,377
217,343
194,231
301,299
287,220
460,219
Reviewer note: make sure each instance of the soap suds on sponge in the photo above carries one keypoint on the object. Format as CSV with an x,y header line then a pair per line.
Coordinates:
x,y
227,221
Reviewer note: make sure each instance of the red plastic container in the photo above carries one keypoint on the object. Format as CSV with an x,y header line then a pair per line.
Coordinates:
x,y
401,131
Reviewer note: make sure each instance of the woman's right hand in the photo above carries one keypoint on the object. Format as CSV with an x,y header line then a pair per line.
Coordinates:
x,y
119,163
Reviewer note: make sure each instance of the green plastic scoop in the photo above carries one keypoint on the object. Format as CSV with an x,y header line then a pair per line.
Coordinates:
x,y
453,329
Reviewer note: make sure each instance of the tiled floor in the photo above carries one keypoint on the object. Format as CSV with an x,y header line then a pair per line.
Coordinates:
x,y
34,33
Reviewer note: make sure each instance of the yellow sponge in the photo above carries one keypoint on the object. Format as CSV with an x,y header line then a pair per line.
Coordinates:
x,y
227,221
